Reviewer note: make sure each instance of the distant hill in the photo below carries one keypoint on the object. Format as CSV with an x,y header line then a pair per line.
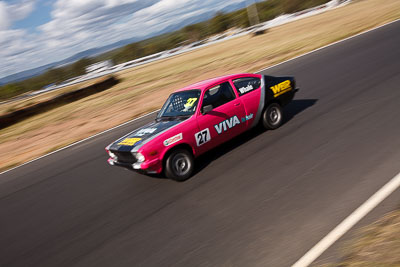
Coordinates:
x,y
23,75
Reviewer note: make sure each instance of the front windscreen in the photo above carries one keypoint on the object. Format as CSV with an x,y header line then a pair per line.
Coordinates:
x,y
182,103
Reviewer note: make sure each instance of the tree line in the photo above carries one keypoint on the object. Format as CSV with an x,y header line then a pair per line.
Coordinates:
x,y
51,76
221,22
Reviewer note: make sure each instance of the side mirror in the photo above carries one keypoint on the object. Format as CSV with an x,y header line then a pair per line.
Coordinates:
x,y
206,109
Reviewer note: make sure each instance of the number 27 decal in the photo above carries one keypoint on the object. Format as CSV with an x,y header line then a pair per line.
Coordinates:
x,y
202,137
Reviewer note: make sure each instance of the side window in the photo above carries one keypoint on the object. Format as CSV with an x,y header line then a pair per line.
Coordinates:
x,y
218,95
246,85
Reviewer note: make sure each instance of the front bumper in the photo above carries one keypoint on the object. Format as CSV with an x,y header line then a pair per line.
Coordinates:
x,y
148,166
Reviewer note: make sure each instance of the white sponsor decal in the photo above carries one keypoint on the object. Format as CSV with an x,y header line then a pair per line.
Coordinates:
x,y
246,89
226,124
173,139
142,132
248,117
202,137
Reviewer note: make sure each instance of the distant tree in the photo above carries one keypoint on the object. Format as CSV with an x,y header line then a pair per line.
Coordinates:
x,y
239,18
174,40
291,6
128,52
36,83
79,67
10,90
150,48
219,23
193,32
55,75
131,51
268,10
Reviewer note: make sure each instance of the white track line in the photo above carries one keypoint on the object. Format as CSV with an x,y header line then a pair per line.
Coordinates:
x,y
349,222
83,140
158,110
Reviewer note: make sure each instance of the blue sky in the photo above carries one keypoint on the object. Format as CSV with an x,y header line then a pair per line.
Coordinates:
x,y
40,15
37,32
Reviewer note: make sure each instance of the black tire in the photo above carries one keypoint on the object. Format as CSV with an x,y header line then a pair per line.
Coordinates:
x,y
179,165
272,117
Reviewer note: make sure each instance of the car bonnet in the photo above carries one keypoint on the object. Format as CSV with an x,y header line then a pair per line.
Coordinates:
x,y
136,139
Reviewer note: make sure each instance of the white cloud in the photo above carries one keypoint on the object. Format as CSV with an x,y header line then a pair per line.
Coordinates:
x,y
21,9
14,11
77,25
4,18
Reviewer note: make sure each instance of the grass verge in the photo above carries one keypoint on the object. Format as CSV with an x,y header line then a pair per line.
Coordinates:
x,y
61,99
145,88
30,101
375,245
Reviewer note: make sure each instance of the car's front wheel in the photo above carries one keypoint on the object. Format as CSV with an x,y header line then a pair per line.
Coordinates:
x,y
272,117
179,165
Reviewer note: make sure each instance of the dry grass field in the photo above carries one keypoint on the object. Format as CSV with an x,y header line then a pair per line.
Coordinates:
x,y
145,88
375,245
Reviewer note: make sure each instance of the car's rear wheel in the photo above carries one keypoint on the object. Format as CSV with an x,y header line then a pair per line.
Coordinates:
x,y
272,117
179,165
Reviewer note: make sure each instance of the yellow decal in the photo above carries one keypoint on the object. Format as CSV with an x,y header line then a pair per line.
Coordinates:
x,y
281,88
190,102
129,141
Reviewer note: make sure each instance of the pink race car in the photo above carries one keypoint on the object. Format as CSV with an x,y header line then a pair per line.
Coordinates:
x,y
200,117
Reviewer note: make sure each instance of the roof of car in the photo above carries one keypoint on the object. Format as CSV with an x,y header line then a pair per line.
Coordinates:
x,y
207,83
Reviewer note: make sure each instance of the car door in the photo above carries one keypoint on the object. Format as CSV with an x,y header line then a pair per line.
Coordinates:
x,y
249,91
223,121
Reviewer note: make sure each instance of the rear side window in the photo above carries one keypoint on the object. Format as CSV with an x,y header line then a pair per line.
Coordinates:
x,y
246,85
218,95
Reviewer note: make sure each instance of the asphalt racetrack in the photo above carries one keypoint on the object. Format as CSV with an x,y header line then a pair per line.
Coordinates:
x,y
263,199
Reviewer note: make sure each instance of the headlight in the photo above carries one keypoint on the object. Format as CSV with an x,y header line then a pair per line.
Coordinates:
x,y
140,157
112,155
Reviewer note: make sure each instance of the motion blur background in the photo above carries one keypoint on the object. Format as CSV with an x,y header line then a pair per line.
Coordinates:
x,y
70,69
46,42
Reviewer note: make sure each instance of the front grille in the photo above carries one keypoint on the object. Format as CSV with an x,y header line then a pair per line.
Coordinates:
x,y
125,157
